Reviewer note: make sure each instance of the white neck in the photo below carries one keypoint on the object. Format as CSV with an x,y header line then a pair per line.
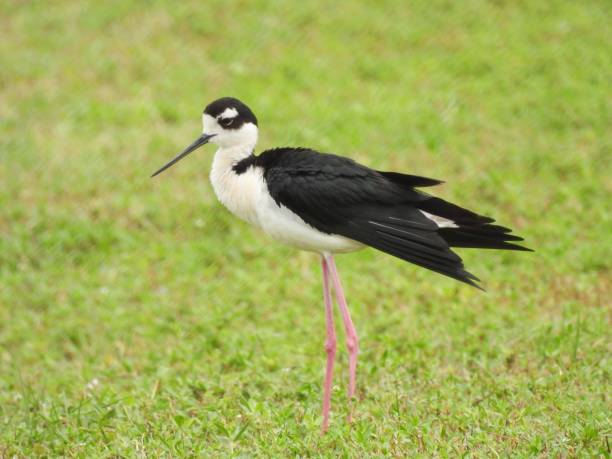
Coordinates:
x,y
238,192
226,157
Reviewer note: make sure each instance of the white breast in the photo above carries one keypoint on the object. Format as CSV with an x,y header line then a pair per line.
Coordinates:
x,y
239,193
246,196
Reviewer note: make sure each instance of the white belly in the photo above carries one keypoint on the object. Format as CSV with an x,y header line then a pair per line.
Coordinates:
x,y
246,196
283,225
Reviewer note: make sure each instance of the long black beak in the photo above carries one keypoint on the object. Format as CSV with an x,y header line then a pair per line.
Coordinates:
x,y
203,139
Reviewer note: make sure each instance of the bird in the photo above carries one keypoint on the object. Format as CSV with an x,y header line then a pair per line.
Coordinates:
x,y
330,204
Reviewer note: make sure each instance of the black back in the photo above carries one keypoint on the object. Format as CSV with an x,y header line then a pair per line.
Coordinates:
x,y
336,195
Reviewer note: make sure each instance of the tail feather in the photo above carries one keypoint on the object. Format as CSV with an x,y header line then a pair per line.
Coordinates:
x,y
454,270
467,238
469,229
410,181
453,212
424,232
410,237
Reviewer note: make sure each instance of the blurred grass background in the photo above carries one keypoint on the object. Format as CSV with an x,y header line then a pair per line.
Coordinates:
x,y
139,319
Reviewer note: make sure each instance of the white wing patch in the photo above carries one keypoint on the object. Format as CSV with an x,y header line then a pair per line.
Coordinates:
x,y
440,221
229,112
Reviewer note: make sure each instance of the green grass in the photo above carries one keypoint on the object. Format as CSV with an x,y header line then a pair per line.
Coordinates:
x,y
139,319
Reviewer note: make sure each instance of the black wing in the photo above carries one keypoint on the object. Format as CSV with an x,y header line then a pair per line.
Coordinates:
x,y
338,196
410,181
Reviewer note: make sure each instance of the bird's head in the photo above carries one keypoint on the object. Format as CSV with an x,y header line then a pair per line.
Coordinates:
x,y
228,123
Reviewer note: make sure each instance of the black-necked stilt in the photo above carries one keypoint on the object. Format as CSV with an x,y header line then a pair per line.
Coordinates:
x,y
330,204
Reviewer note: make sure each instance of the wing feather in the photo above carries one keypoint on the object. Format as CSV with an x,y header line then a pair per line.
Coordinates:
x,y
339,196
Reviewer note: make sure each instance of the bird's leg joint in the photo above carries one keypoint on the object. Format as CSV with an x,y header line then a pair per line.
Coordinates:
x,y
352,344
330,346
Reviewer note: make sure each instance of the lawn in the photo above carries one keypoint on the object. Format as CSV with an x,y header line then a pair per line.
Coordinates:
x,y
138,318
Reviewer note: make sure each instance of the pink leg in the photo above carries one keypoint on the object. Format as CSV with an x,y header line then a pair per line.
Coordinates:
x,y
330,345
352,342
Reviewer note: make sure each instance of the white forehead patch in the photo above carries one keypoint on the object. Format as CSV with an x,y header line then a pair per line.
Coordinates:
x,y
229,112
